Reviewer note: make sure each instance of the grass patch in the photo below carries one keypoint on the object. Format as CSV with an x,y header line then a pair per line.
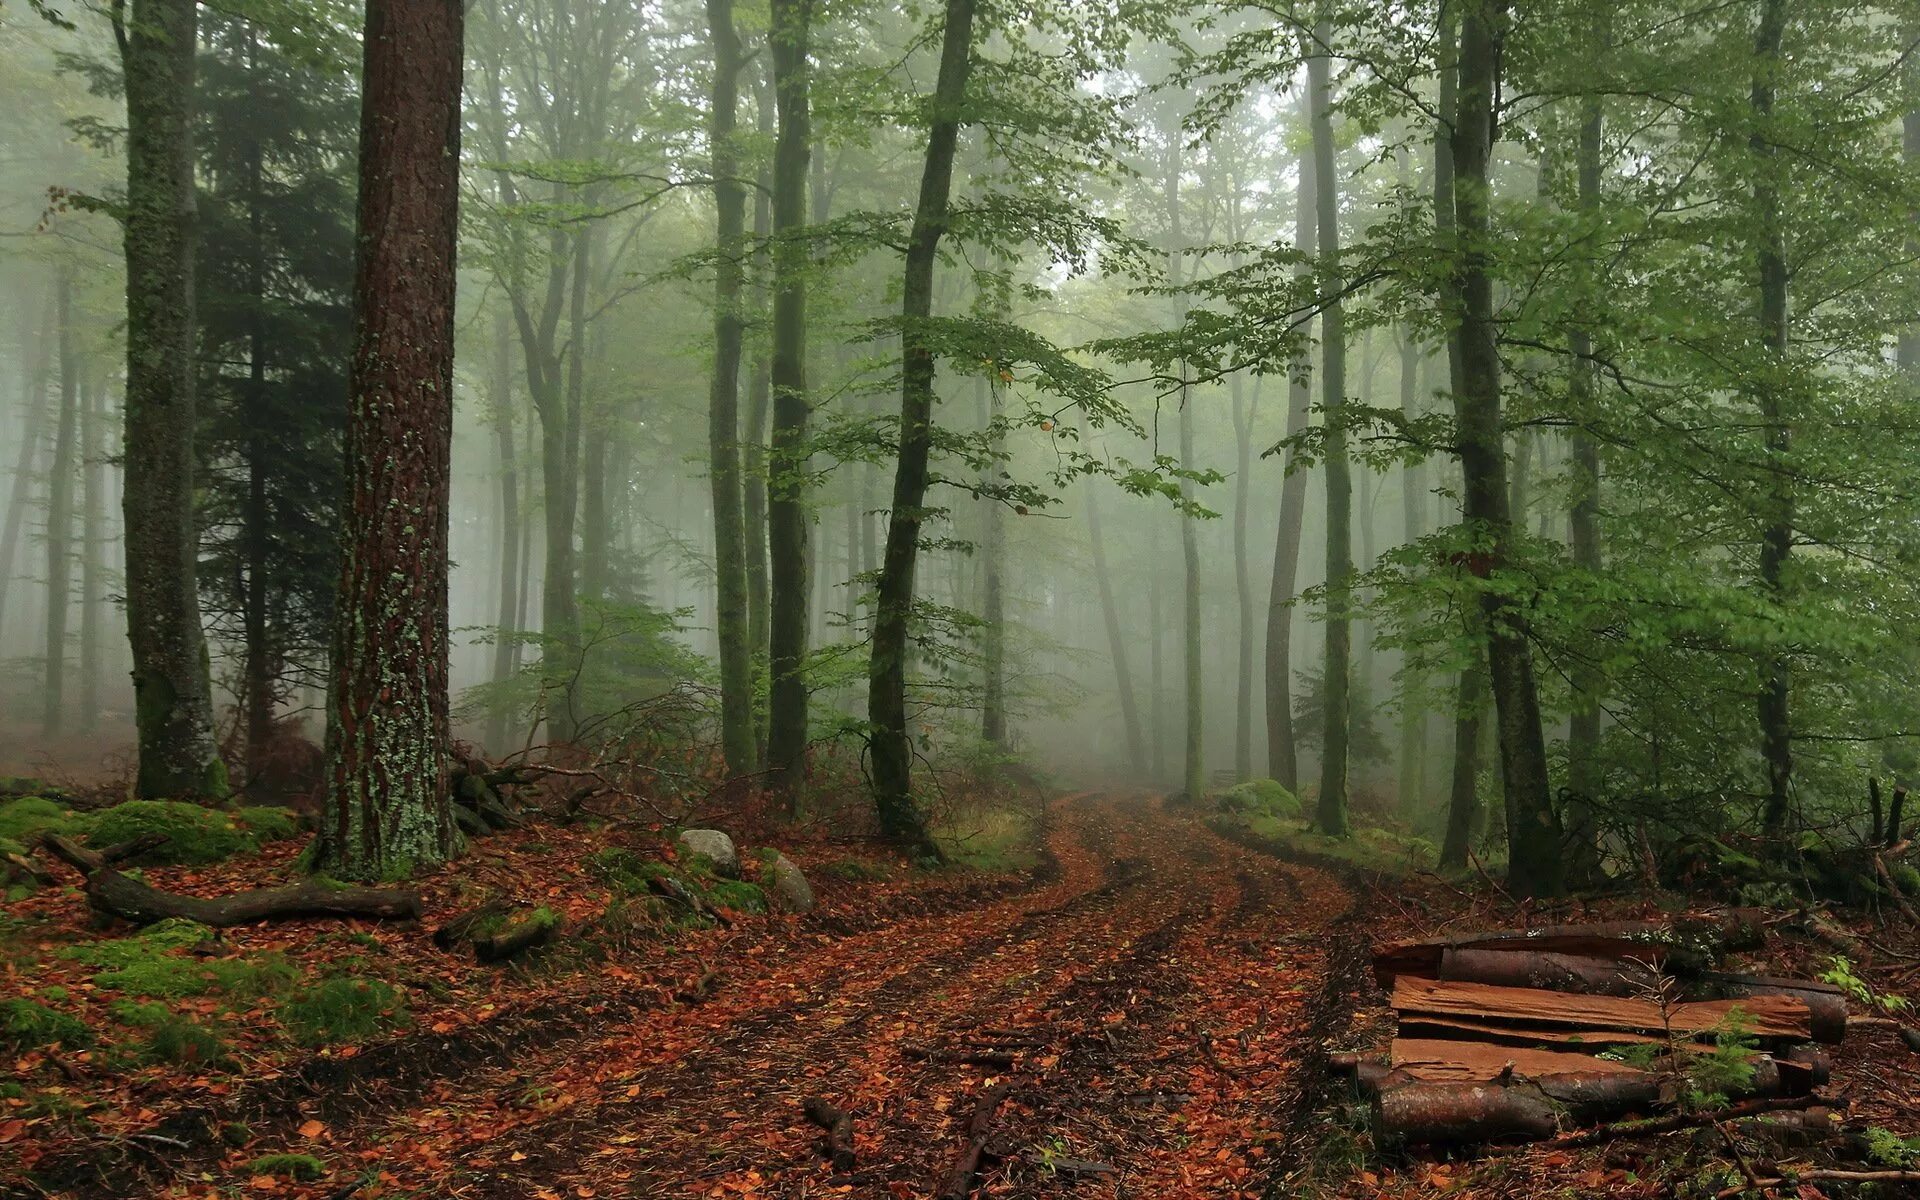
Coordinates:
x,y
184,1043
303,1167
997,839
29,1025
342,1010
195,835
857,870
738,896
152,963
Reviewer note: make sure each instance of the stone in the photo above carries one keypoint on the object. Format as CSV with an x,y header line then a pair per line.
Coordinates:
x,y
786,885
713,845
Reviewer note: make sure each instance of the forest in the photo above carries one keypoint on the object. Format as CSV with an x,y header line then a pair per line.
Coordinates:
x,y
955,598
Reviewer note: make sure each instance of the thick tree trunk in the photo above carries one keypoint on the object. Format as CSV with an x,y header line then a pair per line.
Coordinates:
x,y
1463,794
1116,639
1776,537
754,440
173,698
1335,683
1535,863
723,402
899,816
787,456
60,479
1193,773
1243,577
1283,763
93,536
388,810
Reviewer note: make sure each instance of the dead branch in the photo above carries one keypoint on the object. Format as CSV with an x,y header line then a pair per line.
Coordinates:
x,y
838,1143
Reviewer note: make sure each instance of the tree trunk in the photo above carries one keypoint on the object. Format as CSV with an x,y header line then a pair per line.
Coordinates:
x,y
1156,707
899,816
173,698
93,450
60,480
1116,639
587,429
388,809
1534,839
787,456
1463,796
754,459
262,662
723,402
1193,758
1776,538
33,407
507,632
1283,762
1412,773
1335,684
993,552
1243,578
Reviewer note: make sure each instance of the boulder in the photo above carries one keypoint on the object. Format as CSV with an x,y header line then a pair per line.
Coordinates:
x,y
786,885
713,845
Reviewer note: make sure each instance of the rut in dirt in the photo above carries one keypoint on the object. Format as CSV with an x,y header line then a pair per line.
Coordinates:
x,y
1137,1024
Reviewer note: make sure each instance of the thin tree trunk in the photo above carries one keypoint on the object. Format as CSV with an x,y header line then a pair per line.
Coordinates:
x,y
1193,758
786,488
1243,578
1335,684
389,812
262,663
1156,707
587,451
1412,773
173,698
93,426
1116,639
1776,538
33,406
993,551
60,480
1283,762
899,817
507,633
1535,865
754,461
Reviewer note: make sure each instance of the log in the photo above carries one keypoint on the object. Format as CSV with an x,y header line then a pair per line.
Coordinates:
x,y
1439,1114
1819,1066
1002,1059
1685,1120
838,1143
1820,1175
1769,1016
958,1184
1826,1004
117,895
1689,942
1547,970
469,821
21,868
1467,1062
460,928
535,929
1422,1025
87,860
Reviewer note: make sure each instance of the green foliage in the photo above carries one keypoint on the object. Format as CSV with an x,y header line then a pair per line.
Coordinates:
x,y
1840,973
157,962
341,1010
27,1025
302,1167
1888,1149
196,835
995,839
625,871
736,895
1727,1069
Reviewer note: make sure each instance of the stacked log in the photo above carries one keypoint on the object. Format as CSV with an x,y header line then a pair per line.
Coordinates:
x,y
1519,1034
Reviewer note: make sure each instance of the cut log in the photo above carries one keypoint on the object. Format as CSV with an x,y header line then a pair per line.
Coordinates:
x,y
460,928
838,1144
535,929
1442,1114
1826,1004
1766,1016
1819,1066
958,1184
1692,943
1468,1062
469,821
117,895
1420,1025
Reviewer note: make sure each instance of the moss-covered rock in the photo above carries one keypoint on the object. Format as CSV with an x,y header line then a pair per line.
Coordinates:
x,y
24,819
28,1025
195,835
267,823
302,1167
1266,797
738,896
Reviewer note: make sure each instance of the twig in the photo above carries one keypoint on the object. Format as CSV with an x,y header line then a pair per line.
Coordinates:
x,y
1678,1121
1821,1175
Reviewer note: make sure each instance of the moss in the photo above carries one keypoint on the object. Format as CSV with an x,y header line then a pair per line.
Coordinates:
x,y
183,1043
195,835
142,1014
28,785
149,964
22,821
236,1134
27,1025
1267,797
621,869
303,1167
857,870
741,897
343,1009
269,824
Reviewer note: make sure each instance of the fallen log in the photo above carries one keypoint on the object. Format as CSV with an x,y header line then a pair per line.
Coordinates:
x,y
461,928
1766,1016
535,929
1469,1062
1434,1114
838,1144
87,860
1690,943
958,1184
1685,1120
117,895
1002,1059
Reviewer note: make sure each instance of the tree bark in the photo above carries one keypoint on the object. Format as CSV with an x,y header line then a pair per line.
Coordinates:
x,y
993,553
507,630
787,455
723,401
173,698
1243,578
93,426
1193,773
33,408
60,480
1283,762
388,809
892,748
1534,838
1412,774
589,429
1116,640
1336,685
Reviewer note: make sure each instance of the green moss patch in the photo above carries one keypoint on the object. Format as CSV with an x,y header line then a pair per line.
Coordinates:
x,y
195,835
158,962
342,1010
267,823
740,897
27,1025
181,1042
1266,797
303,1167
22,821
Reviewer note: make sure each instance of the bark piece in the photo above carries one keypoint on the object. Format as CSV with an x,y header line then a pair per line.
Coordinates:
x,y
1422,1025
838,1125
1769,1016
117,895
1479,1061
958,1184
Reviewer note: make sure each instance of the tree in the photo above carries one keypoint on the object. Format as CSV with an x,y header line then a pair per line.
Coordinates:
x,y
388,811
892,748
173,700
60,480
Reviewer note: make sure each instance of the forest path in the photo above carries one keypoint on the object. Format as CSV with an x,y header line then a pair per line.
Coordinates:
x,y
1151,1001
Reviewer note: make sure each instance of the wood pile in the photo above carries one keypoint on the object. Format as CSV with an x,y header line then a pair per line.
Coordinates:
x,y
1522,1034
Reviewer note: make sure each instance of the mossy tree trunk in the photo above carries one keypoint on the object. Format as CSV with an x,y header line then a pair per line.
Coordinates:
x,y
173,699
388,809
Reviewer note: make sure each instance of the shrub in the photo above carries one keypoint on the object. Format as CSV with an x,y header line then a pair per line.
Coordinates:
x,y
26,1025
343,1009
195,835
294,1166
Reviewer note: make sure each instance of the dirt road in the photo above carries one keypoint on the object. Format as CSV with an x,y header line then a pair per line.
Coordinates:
x,y
1147,1003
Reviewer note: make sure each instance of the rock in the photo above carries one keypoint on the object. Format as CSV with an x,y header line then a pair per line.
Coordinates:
x,y
786,885
714,845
